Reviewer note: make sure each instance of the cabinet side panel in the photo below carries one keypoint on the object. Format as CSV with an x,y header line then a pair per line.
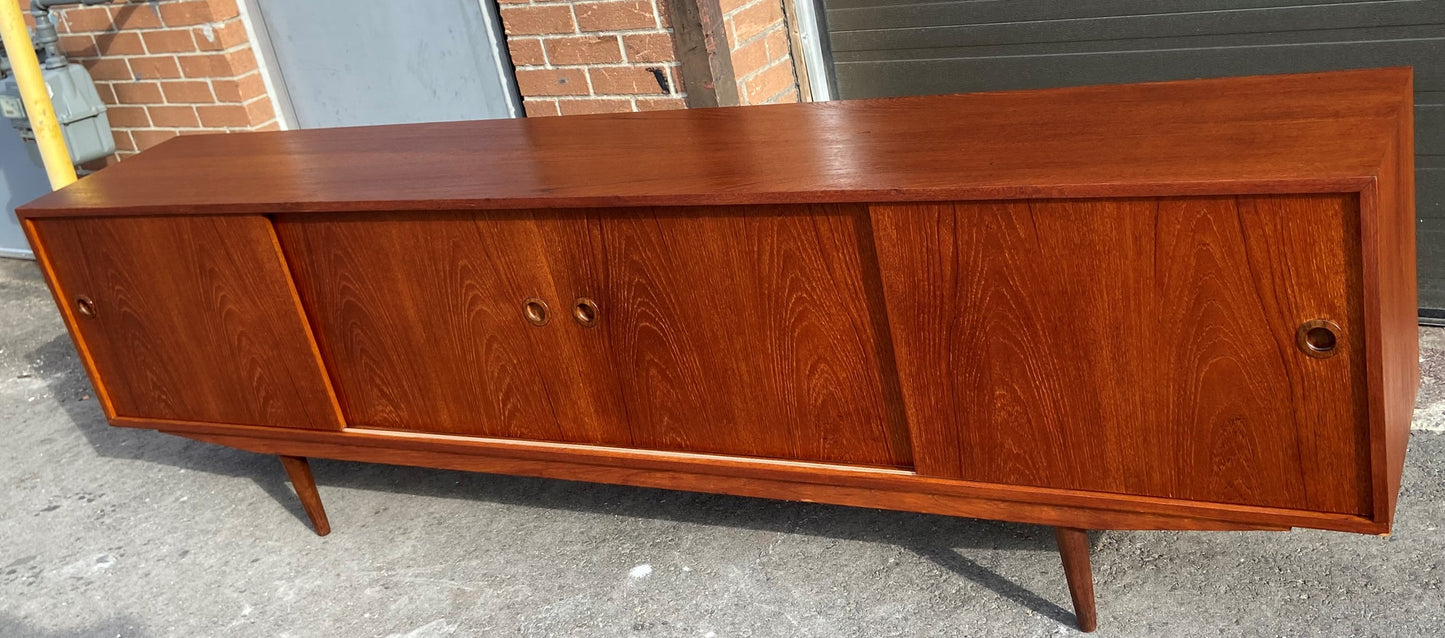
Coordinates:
x,y
1390,262
193,319
1133,346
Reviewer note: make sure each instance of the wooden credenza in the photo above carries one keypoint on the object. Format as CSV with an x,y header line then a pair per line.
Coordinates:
x,y
1183,305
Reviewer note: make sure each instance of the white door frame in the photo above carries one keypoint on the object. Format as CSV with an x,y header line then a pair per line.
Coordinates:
x,y
809,27
260,40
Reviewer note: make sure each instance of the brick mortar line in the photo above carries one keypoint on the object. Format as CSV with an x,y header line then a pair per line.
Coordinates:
x,y
762,35
227,51
191,129
618,96
579,32
783,92
752,3
180,79
547,57
598,65
546,61
557,99
111,31
165,101
209,89
619,35
610,96
576,28
763,69
95,35
156,54
191,105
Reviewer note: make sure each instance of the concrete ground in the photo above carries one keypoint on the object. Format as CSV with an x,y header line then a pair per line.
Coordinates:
x,y
110,532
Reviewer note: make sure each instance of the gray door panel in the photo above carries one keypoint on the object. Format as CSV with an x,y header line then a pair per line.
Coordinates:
x,y
347,63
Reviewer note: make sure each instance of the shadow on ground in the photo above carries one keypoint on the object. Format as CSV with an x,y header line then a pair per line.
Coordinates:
x,y
119,626
935,538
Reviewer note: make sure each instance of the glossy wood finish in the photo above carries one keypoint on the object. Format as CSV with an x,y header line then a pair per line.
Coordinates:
x,y
1074,550
194,319
1323,132
751,331
1141,346
420,321
299,471
1393,346
1076,308
679,294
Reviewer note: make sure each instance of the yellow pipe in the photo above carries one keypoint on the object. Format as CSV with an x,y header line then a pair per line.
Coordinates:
x,y
35,94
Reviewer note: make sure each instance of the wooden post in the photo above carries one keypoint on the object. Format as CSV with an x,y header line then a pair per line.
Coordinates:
x,y
1074,550
705,61
300,473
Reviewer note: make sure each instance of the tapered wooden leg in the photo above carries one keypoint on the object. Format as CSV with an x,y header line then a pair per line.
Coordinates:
x,y
300,473
1074,549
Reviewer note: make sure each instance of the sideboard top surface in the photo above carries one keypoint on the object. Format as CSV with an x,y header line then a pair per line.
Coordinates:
x,y
1317,132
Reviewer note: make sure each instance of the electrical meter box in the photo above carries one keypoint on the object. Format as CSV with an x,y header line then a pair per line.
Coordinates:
x,y
78,107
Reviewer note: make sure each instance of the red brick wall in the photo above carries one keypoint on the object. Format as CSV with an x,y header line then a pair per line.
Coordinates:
x,y
592,57
168,68
761,55
575,57
172,67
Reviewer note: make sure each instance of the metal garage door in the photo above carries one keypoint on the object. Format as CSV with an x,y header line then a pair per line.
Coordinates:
x,y
913,47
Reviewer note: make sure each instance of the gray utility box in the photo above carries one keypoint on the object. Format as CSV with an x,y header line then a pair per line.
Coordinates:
x,y
78,107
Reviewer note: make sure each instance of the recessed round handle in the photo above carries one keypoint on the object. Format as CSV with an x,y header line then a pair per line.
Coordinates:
x,y
1318,338
535,311
85,306
584,310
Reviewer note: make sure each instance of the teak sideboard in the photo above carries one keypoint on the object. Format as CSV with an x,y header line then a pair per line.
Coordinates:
x,y
1182,305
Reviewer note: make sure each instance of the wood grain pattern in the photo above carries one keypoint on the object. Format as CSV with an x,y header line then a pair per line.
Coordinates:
x,y
1305,264
1133,346
1323,132
298,469
1393,348
194,319
1072,307
420,320
1074,550
408,308
746,331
